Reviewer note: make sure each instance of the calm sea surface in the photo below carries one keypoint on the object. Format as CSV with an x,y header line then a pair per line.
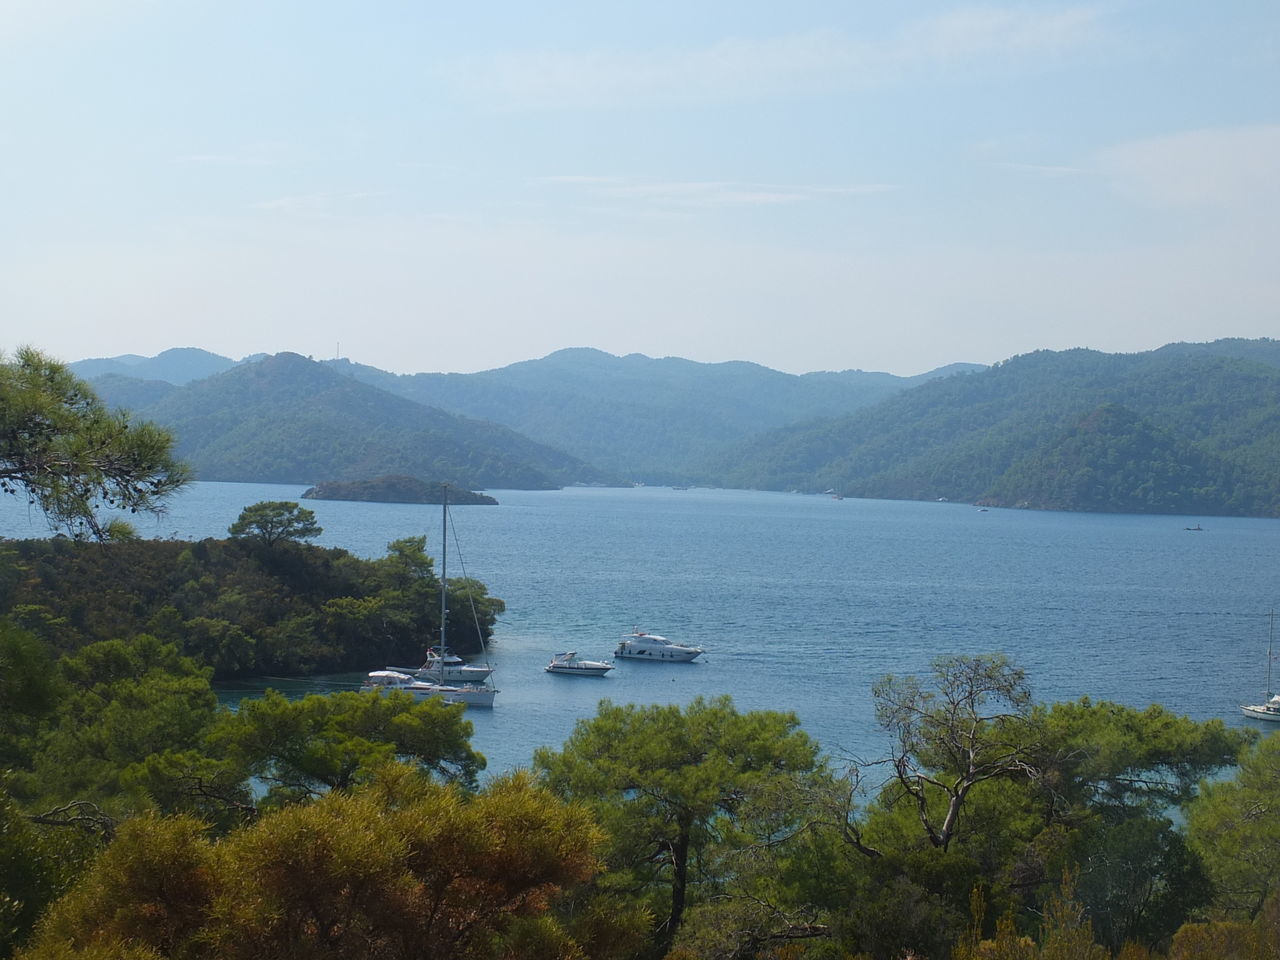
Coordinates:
x,y
803,602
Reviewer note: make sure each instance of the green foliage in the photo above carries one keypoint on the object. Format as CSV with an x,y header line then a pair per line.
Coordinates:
x,y
36,866
668,784
391,870
273,521
30,691
71,456
126,700
989,789
1235,827
1114,758
1161,432
303,748
243,609
286,419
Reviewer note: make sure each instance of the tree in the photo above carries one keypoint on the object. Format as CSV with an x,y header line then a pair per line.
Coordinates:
x,y
303,748
397,869
273,521
666,783
71,456
970,728
1235,827
127,700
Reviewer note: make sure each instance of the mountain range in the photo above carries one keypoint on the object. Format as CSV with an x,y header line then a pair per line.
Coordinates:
x,y
1187,428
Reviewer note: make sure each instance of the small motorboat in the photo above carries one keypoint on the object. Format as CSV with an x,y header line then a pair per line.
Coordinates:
x,y
571,666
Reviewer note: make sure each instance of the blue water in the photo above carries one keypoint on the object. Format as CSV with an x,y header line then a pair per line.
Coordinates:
x,y
803,602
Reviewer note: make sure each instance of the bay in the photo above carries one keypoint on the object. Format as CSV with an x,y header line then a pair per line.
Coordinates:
x,y
802,602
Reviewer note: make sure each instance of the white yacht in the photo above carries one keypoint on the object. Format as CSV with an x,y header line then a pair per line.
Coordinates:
x,y
447,669
473,695
569,665
638,645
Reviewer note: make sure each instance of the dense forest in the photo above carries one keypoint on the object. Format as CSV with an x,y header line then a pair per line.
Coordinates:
x,y
633,417
286,419
242,606
1188,428
1171,431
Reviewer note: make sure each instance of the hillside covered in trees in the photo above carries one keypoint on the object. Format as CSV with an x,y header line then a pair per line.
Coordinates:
x,y
286,419
632,417
1188,428
243,606
1185,429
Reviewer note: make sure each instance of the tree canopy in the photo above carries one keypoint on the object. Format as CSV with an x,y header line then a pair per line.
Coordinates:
x,y
274,521
63,449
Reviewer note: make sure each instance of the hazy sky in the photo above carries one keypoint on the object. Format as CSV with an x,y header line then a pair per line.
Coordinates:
x,y
809,185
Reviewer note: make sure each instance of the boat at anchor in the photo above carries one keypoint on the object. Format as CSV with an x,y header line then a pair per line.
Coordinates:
x,y
1270,709
639,645
569,665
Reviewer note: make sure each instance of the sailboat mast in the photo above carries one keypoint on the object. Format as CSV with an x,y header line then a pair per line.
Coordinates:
x,y
1271,636
444,568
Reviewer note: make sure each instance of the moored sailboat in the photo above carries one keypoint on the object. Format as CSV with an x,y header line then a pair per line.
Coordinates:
x,y
1270,709
421,682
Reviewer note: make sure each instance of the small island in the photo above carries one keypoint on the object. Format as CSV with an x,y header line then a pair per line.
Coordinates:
x,y
394,489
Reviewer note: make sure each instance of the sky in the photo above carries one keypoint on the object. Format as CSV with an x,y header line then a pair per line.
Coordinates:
x,y
808,185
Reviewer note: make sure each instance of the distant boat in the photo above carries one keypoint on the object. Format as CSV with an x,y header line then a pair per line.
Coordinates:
x,y
1271,709
1196,528
569,665
638,645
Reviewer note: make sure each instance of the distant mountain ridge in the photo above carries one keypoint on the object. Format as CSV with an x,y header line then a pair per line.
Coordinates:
x,y
638,416
287,419
178,366
1189,428
631,417
1186,428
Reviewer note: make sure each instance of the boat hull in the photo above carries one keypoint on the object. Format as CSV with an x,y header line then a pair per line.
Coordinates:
x,y
450,674
669,654
580,669
1261,712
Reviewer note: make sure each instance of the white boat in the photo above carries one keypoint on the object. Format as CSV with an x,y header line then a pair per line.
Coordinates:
x,y
571,666
447,669
638,645
1270,710
472,694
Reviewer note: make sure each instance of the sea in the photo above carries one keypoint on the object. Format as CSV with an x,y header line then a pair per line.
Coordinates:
x,y
802,602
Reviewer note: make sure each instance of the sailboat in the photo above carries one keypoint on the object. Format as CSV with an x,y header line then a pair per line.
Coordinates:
x,y
1271,709
420,682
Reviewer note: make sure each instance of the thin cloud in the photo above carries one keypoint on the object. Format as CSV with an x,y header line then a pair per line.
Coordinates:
x,y
1228,170
740,68
1042,169
315,203
256,155
709,193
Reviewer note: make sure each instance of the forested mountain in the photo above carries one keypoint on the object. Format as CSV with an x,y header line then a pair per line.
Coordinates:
x,y
1188,428
287,419
644,418
178,366
1185,429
